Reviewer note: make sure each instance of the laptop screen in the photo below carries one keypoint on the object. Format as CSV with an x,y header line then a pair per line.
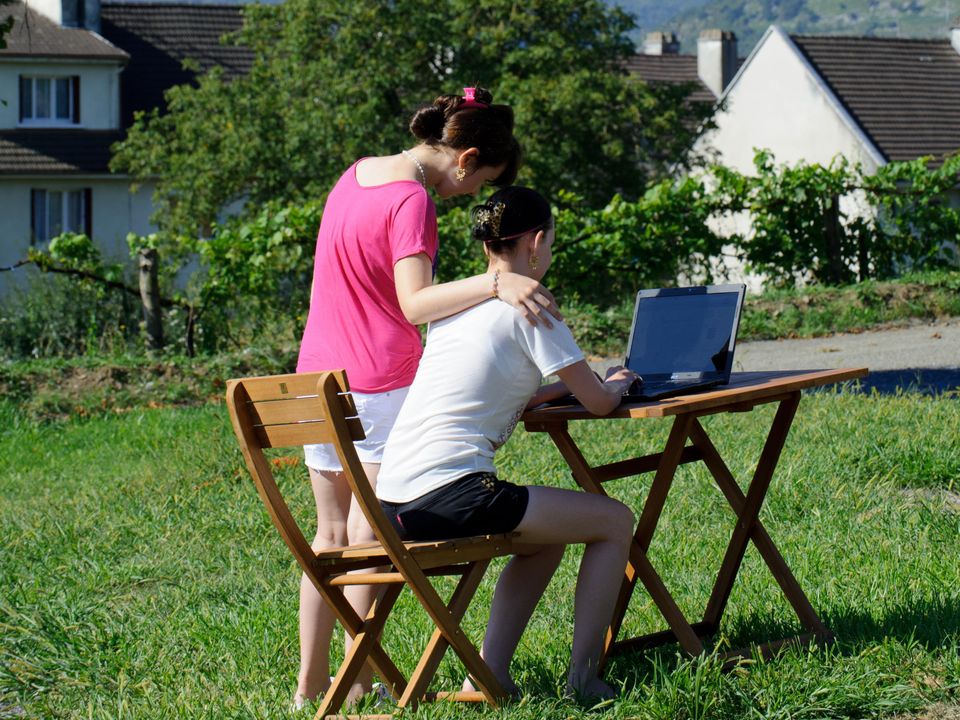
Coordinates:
x,y
684,333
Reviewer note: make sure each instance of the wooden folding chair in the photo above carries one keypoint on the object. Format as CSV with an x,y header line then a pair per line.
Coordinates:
x,y
295,410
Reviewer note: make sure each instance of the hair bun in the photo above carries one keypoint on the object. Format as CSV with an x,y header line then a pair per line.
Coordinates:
x,y
427,122
483,95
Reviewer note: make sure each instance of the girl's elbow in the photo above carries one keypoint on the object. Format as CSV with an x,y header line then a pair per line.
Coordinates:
x,y
413,314
602,405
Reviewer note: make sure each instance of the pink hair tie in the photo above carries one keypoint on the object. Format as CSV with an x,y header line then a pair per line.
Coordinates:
x,y
469,99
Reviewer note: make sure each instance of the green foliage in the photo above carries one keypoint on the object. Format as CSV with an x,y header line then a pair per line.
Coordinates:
x,y
266,257
6,25
922,229
324,90
57,316
822,310
603,255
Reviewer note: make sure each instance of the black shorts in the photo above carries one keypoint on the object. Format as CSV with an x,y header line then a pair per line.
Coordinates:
x,y
476,504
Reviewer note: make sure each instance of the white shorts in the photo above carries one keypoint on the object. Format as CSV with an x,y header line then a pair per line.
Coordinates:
x,y
378,412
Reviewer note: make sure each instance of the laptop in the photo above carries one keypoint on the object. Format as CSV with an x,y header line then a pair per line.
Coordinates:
x,y
683,339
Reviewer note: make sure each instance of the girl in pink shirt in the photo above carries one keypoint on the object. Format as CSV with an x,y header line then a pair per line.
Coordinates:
x,y
372,284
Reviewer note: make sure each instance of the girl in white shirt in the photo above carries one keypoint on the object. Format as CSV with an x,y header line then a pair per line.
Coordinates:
x,y
480,369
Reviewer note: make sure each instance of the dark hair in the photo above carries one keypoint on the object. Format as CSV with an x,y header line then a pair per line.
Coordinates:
x,y
489,128
508,215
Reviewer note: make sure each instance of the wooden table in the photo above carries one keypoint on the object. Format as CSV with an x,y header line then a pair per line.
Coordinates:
x,y
744,392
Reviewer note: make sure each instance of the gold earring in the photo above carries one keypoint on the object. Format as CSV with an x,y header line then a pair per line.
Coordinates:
x,y
534,262
461,174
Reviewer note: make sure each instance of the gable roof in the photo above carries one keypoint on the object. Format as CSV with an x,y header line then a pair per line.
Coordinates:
x,y
670,68
159,37
56,152
904,94
35,35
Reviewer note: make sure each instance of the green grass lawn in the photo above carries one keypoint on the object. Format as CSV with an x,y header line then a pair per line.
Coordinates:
x,y
141,578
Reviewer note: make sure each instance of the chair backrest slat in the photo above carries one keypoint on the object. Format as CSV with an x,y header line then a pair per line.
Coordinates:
x,y
308,433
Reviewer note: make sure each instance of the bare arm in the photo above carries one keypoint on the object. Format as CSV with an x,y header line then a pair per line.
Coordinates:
x,y
422,301
598,397
546,393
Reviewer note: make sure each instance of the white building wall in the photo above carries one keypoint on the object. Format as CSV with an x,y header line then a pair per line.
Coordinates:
x,y
115,212
99,90
777,102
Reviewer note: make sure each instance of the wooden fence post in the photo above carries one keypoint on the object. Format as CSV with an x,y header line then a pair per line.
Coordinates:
x,y
147,261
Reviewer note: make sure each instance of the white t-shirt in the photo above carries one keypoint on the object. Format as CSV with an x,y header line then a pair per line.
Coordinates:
x,y
478,371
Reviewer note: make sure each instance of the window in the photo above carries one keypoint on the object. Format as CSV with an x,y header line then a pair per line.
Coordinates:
x,y
53,212
50,100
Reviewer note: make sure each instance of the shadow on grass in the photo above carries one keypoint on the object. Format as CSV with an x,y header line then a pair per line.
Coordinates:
x,y
933,382
927,623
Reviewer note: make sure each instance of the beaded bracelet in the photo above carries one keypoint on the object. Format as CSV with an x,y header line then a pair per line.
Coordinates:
x,y
496,284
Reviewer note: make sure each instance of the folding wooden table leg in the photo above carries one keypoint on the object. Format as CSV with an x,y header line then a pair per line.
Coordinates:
x,y
437,646
640,567
749,527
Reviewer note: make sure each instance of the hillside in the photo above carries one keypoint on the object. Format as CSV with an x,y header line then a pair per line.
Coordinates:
x,y
750,18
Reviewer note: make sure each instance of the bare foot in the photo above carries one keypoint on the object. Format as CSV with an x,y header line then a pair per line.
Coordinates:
x,y
591,690
357,691
507,682
301,698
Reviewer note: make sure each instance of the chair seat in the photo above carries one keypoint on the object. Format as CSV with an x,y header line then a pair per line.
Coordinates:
x,y
443,552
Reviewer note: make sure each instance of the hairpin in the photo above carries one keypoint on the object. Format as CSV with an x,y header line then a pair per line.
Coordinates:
x,y
470,99
492,217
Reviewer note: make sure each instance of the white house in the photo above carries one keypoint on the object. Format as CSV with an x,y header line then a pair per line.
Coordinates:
x,y
811,98
871,100
72,76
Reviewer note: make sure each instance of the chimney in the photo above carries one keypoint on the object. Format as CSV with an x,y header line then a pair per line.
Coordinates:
x,y
658,43
716,59
955,34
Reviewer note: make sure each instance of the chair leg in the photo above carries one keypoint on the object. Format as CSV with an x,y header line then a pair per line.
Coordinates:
x,y
352,623
364,642
437,646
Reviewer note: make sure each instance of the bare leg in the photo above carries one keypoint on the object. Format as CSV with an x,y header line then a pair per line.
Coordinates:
x,y
361,597
519,589
339,522
332,495
566,516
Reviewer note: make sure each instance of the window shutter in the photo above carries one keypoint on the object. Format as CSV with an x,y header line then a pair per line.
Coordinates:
x,y
37,215
88,212
76,99
24,96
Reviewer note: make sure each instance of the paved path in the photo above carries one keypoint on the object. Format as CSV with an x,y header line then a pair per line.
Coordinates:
x,y
920,357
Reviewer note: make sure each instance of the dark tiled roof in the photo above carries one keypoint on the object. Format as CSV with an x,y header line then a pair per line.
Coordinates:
x,y
57,152
671,69
159,37
904,94
36,35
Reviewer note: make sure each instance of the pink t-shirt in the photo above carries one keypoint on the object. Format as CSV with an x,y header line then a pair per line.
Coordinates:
x,y
355,321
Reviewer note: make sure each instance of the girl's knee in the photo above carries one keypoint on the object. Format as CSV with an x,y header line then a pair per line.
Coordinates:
x,y
330,537
621,521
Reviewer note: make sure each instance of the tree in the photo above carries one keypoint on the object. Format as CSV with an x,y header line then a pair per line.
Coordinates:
x,y
6,24
334,81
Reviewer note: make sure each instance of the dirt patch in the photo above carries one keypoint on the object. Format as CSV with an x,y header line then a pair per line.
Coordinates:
x,y
934,712
947,499
56,391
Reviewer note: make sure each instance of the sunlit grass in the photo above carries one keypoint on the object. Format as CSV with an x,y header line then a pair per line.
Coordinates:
x,y
141,578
